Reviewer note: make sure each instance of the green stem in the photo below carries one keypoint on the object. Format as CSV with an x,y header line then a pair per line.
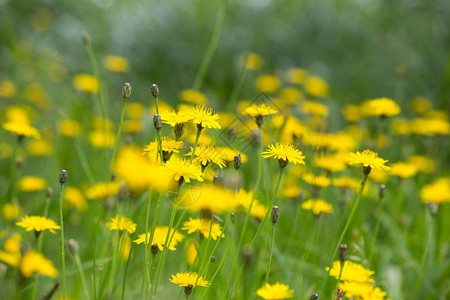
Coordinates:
x,y
377,226
269,262
211,48
76,258
344,231
199,131
83,160
147,245
119,130
36,276
294,229
97,229
63,252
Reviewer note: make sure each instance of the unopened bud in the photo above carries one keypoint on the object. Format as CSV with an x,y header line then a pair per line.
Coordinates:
x,y
213,258
63,176
188,290
366,170
237,161
433,208
86,38
178,130
73,246
275,215
157,122
233,217
314,296
382,191
343,253
49,192
259,121
126,91
155,90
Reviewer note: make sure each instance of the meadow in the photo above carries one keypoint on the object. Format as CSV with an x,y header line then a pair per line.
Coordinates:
x,y
224,150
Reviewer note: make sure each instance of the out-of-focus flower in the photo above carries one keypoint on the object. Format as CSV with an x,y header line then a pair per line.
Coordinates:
x,y
102,190
32,184
116,63
7,89
317,206
69,128
437,192
296,76
121,223
277,291
358,290
351,271
41,147
10,211
75,197
35,263
101,139
86,83
251,61
316,86
194,97
267,83
403,170
315,108
381,107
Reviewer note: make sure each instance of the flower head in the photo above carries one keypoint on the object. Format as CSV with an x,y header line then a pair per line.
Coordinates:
x,y
204,117
368,159
121,223
86,83
260,110
32,184
103,190
284,153
317,181
404,170
437,192
173,118
204,227
35,263
178,168
116,63
189,279
194,97
275,291
358,290
318,206
383,107
206,154
159,238
75,197
168,145
351,272
22,129
316,86
38,223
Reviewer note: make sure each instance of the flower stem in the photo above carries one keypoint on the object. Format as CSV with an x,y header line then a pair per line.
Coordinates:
x,y
147,244
269,262
76,258
377,226
119,130
197,137
94,261
63,252
344,231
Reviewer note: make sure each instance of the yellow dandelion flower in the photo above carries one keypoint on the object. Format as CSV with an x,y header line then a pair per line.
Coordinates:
x,y
75,197
228,154
191,252
121,223
403,170
11,254
32,184
168,145
133,126
400,126
86,83
206,154
199,199
353,272
7,89
178,168
22,129
10,211
424,126
347,182
243,199
437,191
284,153
352,113
173,118
317,206
101,139
379,176
368,159
332,163
203,226
159,238
296,76
291,95
423,163
382,107
204,117
316,86
135,110
251,61
189,279
267,83
260,110
40,147
35,263
69,128
357,290
38,223
194,97
318,181
315,108
102,190
277,291
116,63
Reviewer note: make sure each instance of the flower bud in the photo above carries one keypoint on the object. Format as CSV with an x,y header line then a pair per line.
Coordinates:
x,y
233,217
155,90
157,122
237,161
275,215
366,170
49,192
86,38
343,253
282,163
63,176
213,258
178,130
314,296
259,121
73,246
126,91
382,191
433,208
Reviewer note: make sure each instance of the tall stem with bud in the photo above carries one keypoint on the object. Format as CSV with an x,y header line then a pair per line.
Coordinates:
x,y
274,217
62,181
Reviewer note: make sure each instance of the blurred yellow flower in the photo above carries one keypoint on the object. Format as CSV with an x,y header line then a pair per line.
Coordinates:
x,y
191,252
193,97
352,113
10,211
69,128
35,263
75,197
5,150
382,107
134,110
11,254
315,108
243,199
277,291
159,238
316,86
189,279
132,126
40,147
101,139
86,83
116,63
296,76
32,184
168,146
38,223
403,169
400,126
421,105
228,154
316,180
260,110
291,95
251,61
317,206
437,191
121,223
7,89
22,129
425,126
423,163
204,227
267,83
36,94
357,290
368,159
353,272
102,190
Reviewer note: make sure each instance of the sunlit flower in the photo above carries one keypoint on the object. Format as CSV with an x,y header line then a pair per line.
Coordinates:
x,y
243,199
75,197
260,110
204,227
204,117
69,128
178,168
228,154
32,184
267,83
191,252
423,163
284,153
159,238
173,118
315,108
101,139
22,129
169,146
347,182
39,147
102,190
437,191
277,291
358,290
403,170
207,154
318,206
189,279
38,223
332,163
121,223
199,199
352,113
353,272
86,83
368,159
318,181
382,107
425,126
35,263
194,97
10,211
134,110
316,86
11,251
116,63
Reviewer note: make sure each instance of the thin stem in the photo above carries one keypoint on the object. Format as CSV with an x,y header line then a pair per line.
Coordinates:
x,y
199,131
36,276
147,244
119,130
97,229
211,48
83,160
269,262
63,252
377,226
294,229
344,231
76,258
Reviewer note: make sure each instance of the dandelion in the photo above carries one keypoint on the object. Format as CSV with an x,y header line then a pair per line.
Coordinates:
x,y
203,226
173,118
101,139
116,63
436,192
317,181
32,184
364,291
102,190
251,61
316,86
204,117
38,223
194,97
351,271
40,147
69,128
207,154
267,83
189,280
75,197
180,168
11,251
7,89
22,129
10,211
369,160
121,223
315,108
403,170
296,76
35,263
169,146
277,291
382,107
317,206
284,153
260,110
159,238
86,83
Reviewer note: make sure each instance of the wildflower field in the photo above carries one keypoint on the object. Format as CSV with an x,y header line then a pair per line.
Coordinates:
x,y
225,150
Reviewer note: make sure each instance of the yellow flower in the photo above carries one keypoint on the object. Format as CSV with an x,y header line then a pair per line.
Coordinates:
x,y
352,113
425,126
86,83
168,145
40,147
277,291
347,183
178,168
199,199
69,128
316,86
11,254
422,163
332,163
191,252
296,76
35,263
204,117
5,150
102,190
251,61
38,223
189,279
351,272
32,184
7,89
116,63
101,139
193,97
207,154
132,126
403,170
75,197
228,154
318,181
284,153
159,238
368,159
203,226
173,118
315,108
22,129
291,95
437,191
318,206
382,107
243,199
10,211
358,290
400,126
260,110
135,110
121,223
267,83
421,105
